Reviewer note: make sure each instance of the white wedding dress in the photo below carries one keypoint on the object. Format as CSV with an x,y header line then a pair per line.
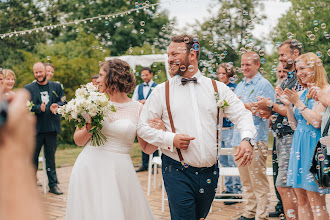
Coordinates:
x,y
103,184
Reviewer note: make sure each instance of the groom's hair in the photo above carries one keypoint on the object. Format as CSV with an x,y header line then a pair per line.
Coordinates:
x,y
190,42
118,76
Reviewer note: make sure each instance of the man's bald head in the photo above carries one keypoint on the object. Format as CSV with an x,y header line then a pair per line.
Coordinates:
x,y
39,65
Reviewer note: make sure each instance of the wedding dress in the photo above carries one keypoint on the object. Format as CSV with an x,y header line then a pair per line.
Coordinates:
x,y
103,182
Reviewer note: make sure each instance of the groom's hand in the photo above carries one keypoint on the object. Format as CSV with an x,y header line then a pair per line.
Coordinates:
x,y
244,152
182,141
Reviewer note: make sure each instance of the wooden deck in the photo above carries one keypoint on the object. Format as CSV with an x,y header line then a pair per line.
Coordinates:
x,y
56,204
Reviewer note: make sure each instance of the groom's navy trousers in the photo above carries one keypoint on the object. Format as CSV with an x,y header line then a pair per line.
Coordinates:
x,y
190,190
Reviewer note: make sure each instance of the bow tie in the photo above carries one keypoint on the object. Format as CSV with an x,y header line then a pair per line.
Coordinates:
x,y
146,84
185,80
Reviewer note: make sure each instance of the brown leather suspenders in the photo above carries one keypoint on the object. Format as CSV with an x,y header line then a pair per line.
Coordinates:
x,y
167,99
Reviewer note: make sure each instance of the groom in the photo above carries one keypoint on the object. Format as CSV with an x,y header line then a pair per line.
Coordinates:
x,y
189,111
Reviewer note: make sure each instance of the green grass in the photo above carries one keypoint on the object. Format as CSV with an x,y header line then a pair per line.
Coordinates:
x,y
66,155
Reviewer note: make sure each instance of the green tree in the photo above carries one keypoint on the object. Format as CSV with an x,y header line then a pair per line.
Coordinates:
x,y
227,35
307,21
117,33
16,15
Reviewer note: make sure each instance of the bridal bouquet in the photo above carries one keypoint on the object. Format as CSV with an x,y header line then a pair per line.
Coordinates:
x,y
88,106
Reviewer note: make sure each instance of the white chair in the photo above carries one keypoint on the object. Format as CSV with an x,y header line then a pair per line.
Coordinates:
x,y
233,171
44,171
155,161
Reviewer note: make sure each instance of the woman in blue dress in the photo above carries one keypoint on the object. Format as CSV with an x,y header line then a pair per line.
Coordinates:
x,y
305,116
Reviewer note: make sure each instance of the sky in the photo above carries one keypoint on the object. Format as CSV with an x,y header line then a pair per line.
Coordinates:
x,y
187,11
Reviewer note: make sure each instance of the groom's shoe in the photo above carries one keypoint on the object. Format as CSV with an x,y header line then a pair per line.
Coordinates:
x,y
55,190
141,169
245,218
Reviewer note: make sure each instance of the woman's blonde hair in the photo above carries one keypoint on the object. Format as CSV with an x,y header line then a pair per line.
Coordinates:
x,y
319,76
7,73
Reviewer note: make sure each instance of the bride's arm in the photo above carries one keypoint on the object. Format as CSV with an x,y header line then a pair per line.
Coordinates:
x,y
82,136
146,147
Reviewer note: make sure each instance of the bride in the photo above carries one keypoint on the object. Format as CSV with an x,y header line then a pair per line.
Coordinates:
x,y
103,182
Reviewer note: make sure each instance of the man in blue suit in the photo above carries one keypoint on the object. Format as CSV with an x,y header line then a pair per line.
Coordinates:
x,y
46,97
141,94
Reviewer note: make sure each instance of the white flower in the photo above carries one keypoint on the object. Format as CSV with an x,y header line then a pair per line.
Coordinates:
x,y
91,88
220,103
81,92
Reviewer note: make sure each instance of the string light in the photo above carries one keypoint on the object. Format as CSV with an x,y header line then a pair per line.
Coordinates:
x,y
141,6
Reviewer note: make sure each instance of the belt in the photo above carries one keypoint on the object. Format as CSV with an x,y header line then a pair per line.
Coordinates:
x,y
280,135
226,128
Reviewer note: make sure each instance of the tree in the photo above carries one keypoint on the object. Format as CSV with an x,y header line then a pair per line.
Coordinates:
x,y
15,15
117,33
227,35
307,22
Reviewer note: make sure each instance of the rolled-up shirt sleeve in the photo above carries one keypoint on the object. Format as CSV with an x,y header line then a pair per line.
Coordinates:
x,y
237,113
154,108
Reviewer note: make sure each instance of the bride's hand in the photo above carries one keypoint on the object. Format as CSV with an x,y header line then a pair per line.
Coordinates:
x,y
88,126
157,123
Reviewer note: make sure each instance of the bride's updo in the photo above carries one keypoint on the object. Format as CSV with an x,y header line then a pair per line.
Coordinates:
x,y
118,76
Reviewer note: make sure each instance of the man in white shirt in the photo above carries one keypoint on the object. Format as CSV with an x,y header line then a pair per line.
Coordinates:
x,y
141,93
191,178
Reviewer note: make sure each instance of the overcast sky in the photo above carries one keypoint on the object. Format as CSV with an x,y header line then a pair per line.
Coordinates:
x,y
187,11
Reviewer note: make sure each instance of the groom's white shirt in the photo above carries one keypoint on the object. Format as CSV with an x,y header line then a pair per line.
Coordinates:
x,y
194,113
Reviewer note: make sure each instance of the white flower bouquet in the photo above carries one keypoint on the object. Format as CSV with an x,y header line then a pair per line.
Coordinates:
x,y
88,106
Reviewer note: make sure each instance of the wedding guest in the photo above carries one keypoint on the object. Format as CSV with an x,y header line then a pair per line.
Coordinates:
x,y
1,78
19,198
190,154
225,73
141,94
9,80
281,74
49,70
322,96
288,51
46,97
253,177
94,79
304,116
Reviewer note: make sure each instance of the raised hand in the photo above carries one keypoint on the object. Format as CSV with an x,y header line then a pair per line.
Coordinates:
x,y
182,141
292,95
282,96
313,91
53,108
43,107
244,152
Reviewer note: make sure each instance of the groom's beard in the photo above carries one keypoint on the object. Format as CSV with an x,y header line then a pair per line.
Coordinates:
x,y
180,71
43,80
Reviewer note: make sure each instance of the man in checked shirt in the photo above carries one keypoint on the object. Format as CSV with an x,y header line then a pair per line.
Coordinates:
x,y
289,50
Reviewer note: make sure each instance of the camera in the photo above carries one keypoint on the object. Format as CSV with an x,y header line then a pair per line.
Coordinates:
x,y
3,112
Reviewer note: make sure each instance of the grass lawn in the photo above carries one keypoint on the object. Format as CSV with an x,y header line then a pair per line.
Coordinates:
x,y
66,156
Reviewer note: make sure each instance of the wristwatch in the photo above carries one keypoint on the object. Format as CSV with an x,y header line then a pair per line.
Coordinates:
x,y
250,140
3,112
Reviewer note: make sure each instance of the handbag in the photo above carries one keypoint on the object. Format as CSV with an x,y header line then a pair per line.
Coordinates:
x,y
320,168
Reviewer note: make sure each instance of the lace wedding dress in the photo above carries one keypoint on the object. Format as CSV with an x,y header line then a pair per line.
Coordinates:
x,y
103,182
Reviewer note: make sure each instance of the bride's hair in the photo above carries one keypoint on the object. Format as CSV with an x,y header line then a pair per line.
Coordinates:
x,y
119,77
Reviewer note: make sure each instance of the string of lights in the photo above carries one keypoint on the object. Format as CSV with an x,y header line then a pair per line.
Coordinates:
x,y
141,6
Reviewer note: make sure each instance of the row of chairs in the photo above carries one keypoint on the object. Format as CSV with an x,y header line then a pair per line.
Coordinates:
x,y
155,162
